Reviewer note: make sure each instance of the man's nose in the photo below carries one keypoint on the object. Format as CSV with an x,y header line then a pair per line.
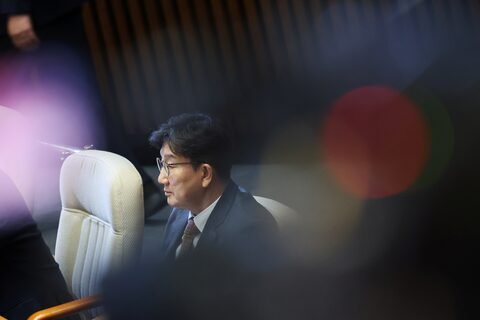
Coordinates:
x,y
162,177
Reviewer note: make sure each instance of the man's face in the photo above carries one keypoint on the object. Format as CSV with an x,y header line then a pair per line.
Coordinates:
x,y
182,186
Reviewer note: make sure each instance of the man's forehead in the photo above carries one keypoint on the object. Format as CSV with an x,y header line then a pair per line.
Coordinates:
x,y
167,153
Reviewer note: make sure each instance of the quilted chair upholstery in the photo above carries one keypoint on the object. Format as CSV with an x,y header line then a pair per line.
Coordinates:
x,y
101,222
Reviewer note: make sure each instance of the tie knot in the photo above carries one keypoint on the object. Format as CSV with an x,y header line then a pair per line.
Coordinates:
x,y
191,229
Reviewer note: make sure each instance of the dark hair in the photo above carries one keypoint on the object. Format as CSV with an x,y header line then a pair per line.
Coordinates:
x,y
199,137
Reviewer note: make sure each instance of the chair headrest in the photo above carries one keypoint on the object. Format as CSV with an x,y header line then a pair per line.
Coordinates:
x,y
102,184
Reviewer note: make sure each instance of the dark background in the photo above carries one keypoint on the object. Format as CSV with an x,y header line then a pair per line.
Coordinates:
x,y
263,64
272,69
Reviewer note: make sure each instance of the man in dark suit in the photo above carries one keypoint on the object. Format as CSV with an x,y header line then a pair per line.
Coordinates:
x,y
195,165
219,243
30,279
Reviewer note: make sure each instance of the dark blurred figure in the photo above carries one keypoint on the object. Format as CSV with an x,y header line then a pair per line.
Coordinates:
x,y
44,51
25,21
44,55
30,278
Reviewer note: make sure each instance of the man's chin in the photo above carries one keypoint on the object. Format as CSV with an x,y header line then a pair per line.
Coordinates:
x,y
171,202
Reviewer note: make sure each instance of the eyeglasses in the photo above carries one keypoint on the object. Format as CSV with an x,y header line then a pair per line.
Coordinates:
x,y
168,166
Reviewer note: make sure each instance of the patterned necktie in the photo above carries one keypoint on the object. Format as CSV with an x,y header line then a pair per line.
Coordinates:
x,y
189,234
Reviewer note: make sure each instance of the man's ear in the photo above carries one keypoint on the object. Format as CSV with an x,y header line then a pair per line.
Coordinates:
x,y
207,174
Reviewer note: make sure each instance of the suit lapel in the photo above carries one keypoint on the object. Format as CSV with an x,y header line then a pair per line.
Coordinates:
x,y
175,232
218,215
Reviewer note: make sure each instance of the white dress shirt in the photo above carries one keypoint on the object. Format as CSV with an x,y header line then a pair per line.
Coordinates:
x,y
200,221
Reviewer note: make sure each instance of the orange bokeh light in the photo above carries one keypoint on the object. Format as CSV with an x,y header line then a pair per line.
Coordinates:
x,y
375,142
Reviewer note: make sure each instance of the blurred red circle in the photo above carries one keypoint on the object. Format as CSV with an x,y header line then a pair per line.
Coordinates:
x,y
375,142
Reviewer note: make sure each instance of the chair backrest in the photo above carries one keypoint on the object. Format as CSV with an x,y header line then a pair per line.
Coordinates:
x,y
283,214
101,222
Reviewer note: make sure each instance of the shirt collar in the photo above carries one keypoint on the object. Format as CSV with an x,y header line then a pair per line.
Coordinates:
x,y
201,218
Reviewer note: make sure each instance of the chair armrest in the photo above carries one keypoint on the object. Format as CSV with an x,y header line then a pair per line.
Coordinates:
x,y
67,308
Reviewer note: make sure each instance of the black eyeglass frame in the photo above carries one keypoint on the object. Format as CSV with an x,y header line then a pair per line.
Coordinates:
x,y
168,166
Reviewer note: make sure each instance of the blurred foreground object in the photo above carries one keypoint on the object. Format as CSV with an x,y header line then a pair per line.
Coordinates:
x,y
30,279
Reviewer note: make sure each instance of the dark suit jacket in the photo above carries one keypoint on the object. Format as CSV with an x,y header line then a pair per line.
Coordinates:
x,y
237,249
238,228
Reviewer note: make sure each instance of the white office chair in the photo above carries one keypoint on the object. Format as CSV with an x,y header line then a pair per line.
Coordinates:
x,y
289,224
101,225
284,215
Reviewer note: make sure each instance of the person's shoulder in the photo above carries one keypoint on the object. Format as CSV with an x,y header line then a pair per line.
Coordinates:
x,y
245,196
248,200
249,209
